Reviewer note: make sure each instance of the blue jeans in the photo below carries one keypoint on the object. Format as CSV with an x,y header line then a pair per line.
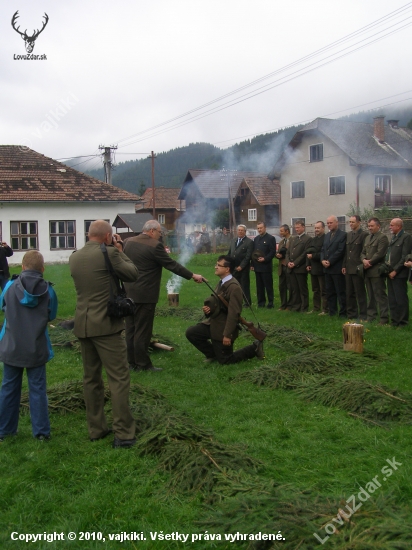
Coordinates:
x,y
10,400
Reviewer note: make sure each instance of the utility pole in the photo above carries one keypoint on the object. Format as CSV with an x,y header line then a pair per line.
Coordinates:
x,y
153,187
107,161
227,177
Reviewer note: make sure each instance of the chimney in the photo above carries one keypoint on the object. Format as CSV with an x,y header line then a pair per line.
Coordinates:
x,y
379,129
393,123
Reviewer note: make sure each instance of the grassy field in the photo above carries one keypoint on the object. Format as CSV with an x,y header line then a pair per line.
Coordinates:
x,y
275,462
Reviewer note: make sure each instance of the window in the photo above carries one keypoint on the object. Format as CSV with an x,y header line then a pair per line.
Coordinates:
x,y
244,191
383,184
252,215
161,218
316,152
294,220
298,189
62,235
1,232
342,222
337,185
86,228
24,235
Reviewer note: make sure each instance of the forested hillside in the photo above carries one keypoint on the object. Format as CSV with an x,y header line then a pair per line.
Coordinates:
x,y
258,154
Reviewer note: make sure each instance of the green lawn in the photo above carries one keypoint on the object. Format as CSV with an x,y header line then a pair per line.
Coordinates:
x,y
312,458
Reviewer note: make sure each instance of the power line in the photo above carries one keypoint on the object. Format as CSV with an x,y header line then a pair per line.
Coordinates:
x,y
323,116
253,93
241,99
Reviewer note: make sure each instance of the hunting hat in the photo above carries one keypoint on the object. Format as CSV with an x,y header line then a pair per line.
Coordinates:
x,y
282,251
214,303
408,258
257,254
311,250
360,270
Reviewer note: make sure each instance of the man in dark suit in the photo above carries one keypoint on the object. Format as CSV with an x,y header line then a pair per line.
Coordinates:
x,y
332,254
296,262
355,285
215,336
240,250
399,248
149,256
315,268
373,256
100,338
5,252
284,280
264,250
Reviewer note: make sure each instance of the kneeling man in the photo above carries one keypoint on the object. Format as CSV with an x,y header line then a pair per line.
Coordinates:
x,y
215,335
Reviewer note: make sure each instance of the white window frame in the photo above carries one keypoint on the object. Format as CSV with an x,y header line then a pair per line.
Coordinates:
x,y
161,218
62,237
291,189
17,238
252,214
310,152
380,185
344,182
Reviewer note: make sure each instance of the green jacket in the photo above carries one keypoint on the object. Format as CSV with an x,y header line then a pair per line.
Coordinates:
x,y
91,279
225,324
374,250
150,257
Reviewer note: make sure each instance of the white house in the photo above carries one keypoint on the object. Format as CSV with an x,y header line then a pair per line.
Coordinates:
x,y
47,206
332,164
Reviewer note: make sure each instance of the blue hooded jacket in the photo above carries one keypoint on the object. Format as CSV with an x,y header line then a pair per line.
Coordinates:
x,y
29,303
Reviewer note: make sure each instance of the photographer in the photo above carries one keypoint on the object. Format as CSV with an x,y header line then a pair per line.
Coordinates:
x,y
5,252
99,335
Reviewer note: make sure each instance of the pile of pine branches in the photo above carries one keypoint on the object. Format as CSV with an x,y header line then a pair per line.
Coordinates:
x,y
289,339
371,402
63,398
63,337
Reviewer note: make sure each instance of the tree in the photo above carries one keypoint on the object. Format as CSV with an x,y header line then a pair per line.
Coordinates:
x,y
220,219
142,188
409,125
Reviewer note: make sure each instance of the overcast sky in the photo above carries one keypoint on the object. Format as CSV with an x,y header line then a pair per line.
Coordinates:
x,y
116,70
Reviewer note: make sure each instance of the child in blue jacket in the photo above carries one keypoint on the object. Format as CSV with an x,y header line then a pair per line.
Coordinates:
x,y
29,302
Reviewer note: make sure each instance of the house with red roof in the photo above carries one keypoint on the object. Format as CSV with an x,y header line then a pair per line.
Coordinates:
x,y
47,206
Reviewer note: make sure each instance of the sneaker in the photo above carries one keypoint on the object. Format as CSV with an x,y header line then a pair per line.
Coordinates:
x,y
126,443
322,313
260,354
209,360
43,437
309,312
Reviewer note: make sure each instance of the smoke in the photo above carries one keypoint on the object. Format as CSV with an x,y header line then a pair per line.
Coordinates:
x,y
175,282
262,160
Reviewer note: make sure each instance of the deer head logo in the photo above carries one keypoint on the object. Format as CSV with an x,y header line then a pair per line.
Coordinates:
x,y
28,40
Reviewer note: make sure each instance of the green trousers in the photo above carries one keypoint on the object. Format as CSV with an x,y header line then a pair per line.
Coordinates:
x,y
107,351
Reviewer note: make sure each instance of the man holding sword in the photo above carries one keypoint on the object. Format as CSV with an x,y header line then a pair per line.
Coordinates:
x,y
215,336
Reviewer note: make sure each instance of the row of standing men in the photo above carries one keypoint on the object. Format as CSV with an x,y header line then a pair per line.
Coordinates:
x,y
357,275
